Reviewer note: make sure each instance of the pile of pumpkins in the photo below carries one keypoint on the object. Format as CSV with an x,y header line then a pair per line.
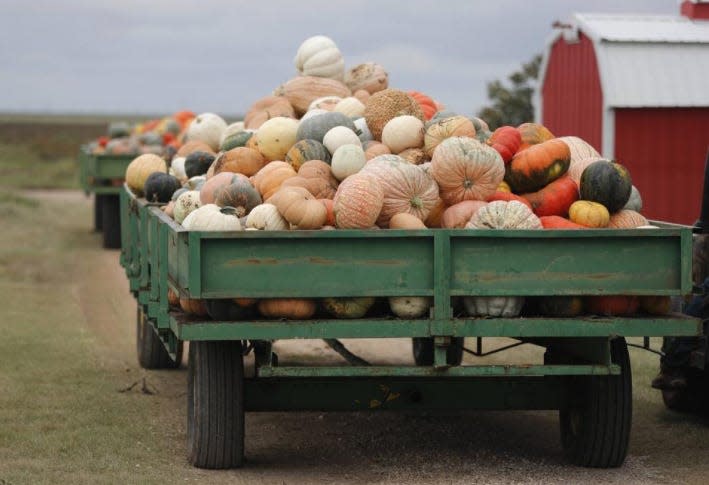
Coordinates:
x,y
160,136
340,149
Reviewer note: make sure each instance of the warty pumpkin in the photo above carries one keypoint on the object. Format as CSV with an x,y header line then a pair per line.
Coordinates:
x,y
465,169
358,202
370,77
384,105
348,307
299,207
533,168
186,203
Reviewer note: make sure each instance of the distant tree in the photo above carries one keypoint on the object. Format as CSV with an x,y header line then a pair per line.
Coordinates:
x,y
512,105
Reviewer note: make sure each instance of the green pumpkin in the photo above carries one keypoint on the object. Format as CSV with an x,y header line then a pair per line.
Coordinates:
x,y
239,194
607,183
236,140
197,163
160,186
306,150
118,129
355,307
315,127
560,306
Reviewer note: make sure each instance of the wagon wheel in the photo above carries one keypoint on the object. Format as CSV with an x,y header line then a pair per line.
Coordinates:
x,y
595,429
152,354
98,212
111,221
215,404
423,351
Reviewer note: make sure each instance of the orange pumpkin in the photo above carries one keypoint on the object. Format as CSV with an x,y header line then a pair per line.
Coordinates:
x,y
558,222
266,108
299,207
537,166
292,308
458,215
193,306
239,160
404,220
507,196
554,199
533,134
506,140
172,298
427,104
192,147
465,169
329,207
656,304
208,192
269,179
316,177
615,305
446,128
358,201
373,149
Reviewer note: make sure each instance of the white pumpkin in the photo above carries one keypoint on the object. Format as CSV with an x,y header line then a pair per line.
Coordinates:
x,y
363,130
339,136
313,112
347,160
207,128
177,168
493,306
410,306
186,203
403,132
502,214
211,217
327,103
232,129
369,76
319,56
350,106
276,136
267,218
635,201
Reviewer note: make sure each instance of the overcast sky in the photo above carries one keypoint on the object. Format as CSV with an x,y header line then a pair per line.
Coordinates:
x,y
158,56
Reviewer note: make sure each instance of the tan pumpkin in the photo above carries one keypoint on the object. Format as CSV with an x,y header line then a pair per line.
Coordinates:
x,y
140,169
404,220
589,214
208,192
326,103
403,132
626,219
502,214
269,179
466,169
458,215
193,146
299,207
579,148
446,128
406,187
266,108
193,306
362,95
415,156
303,90
276,136
373,149
369,77
435,217
246,161
292,308
385,105
316,177
358,201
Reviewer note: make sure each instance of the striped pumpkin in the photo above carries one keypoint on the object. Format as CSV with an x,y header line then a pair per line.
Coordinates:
x,y
358,202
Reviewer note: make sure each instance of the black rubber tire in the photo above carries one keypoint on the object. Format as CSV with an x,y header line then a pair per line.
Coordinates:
x,y
98,212
152,354
595,430
111,221
423,351
215,404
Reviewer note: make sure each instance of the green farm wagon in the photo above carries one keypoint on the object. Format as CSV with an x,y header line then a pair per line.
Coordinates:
x,y
585,372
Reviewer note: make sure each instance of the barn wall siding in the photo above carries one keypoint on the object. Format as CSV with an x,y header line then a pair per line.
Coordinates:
x,y
665,150
572,100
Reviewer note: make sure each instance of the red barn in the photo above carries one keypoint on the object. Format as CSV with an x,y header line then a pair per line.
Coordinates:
x,y
636,87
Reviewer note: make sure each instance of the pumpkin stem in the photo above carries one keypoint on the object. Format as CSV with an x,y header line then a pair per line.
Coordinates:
x,y
228,210
467,183
416,202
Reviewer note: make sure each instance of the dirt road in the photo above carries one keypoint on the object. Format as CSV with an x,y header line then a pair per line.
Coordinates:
x,y
298,448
